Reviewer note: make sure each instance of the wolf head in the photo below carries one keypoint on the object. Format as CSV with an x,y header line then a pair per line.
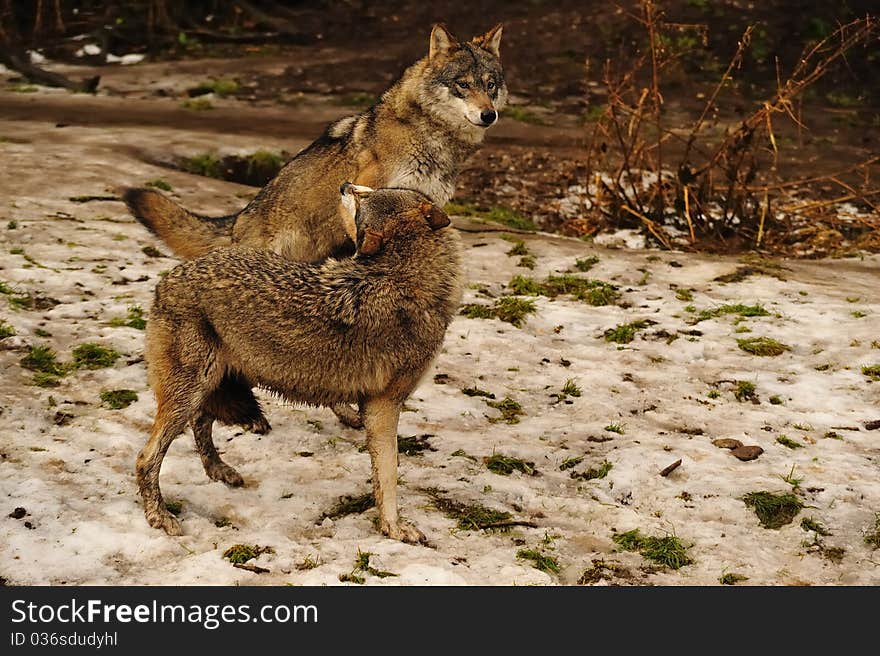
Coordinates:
x,y
375,217
463,83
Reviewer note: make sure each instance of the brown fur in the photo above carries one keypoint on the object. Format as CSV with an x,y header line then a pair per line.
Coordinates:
x,y
241,317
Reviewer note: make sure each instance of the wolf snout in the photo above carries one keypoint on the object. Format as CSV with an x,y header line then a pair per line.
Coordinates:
x,y
488,116
345,188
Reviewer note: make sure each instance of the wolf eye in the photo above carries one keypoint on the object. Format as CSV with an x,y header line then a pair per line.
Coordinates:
x,y
490,85
461,84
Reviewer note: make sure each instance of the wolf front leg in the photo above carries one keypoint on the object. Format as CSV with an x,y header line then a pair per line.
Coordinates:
x,y
380,419
169,424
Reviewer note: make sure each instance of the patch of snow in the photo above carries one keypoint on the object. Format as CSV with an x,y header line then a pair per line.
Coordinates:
x,y
88,49
125,60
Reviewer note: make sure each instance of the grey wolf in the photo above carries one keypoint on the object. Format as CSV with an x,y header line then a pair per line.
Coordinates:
x,y
256,318
416,137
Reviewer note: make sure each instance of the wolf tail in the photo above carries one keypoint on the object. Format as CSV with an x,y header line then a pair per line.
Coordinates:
x,y
187,234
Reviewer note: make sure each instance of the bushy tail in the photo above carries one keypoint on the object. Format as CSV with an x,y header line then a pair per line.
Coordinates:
x,y
188,235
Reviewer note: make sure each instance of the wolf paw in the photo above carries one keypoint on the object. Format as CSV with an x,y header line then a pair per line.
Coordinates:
x,y
403,531
260,426
348,416
220,471
164,520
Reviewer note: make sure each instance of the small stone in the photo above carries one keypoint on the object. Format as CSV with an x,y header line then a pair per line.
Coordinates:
x,y
727,443
746,453
18,513
872,425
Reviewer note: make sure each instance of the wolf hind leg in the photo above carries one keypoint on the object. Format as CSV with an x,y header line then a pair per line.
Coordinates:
x,y
215,468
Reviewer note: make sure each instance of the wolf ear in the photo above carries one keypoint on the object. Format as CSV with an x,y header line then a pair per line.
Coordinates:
x,y
441,41
434,215
491,40
371,242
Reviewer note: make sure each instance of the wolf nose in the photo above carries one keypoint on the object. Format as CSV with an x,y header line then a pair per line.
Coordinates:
x,y
488,116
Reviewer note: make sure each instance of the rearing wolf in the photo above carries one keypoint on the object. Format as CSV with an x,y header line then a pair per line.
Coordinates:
x,y
416,137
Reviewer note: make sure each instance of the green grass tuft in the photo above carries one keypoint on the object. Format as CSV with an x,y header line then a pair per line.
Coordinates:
x,y
871,371
686,295
584,264
241,553
6,330
519,248
506,465
568,463
476,391
43,359
615,428
539,560
94,356
118,399
510,410
773,510
362,566
471,516
570,389
197,104
762,346
730,578
745,390
625,332
264,162
495,213
509,309
738,309
477,311
524,286
134,319
790,443
668,550
174,507
205,164
593,472
159,183
776,400
810,524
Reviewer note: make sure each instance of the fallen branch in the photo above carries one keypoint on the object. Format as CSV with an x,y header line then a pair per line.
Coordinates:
x,y
20,63
671,468
256,569
507,524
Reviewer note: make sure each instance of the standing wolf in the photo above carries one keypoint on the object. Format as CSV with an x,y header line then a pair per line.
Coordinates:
x,y
416,137
271,322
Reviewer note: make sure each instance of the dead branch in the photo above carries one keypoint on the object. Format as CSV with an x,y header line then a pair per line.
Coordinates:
x,y
19,61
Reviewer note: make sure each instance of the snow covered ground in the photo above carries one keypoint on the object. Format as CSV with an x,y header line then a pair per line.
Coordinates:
x,y
67,459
